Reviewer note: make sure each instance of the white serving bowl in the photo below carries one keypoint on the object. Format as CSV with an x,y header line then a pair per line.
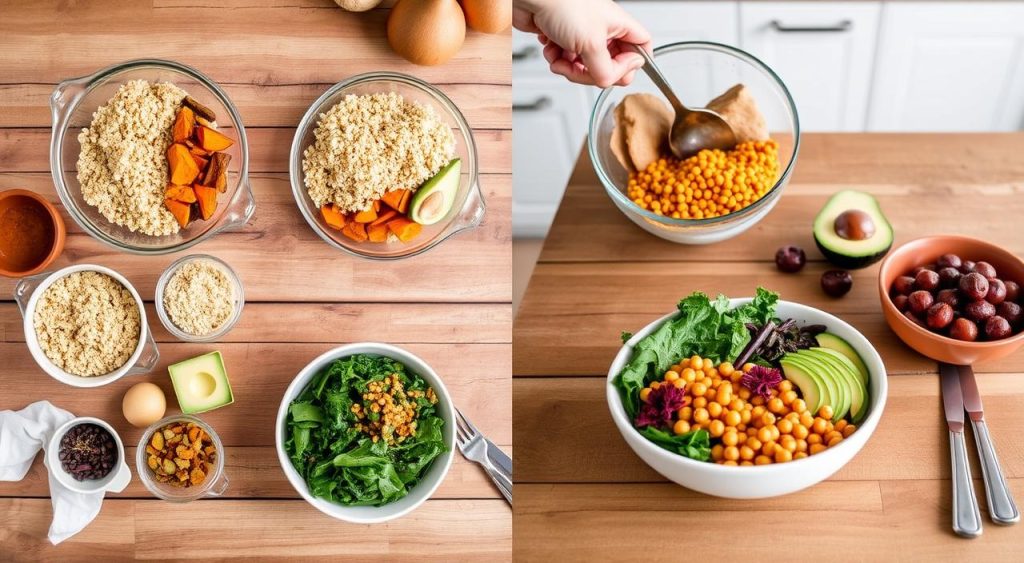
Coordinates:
x,y
142,360
114,482
759,481
431,479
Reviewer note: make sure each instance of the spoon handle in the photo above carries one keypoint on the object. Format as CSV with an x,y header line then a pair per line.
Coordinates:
x,y
652,70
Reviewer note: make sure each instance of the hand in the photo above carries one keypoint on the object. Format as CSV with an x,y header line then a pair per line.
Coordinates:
x,y
586,41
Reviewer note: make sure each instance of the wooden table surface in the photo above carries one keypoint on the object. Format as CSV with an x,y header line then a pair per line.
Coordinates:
x,y
581,493
451,306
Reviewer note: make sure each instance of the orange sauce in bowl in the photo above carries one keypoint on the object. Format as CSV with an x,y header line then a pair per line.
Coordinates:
x,y
27,233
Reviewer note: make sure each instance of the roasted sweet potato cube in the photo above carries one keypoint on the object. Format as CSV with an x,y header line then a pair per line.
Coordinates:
x,y
377,232
334,218
212,140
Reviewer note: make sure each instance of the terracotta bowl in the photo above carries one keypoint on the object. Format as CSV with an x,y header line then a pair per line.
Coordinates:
x,y
927,250
16,267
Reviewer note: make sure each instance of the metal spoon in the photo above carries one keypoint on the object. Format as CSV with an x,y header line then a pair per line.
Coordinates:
x,y
692,129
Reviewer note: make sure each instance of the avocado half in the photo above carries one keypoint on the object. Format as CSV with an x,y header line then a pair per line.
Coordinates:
x,y
849,253
437,195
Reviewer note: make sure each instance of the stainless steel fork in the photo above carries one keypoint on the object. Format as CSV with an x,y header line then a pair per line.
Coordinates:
x,y
478,449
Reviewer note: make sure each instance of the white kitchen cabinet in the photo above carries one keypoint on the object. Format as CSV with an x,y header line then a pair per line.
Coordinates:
x,y
549,121
823,51
956,66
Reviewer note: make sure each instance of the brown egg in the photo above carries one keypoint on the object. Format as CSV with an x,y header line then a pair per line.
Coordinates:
x,y
143,404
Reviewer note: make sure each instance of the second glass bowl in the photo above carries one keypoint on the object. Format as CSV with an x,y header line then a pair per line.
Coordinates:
x,y
466,212
237,305
699,70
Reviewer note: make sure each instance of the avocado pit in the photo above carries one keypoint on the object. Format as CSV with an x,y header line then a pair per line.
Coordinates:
x,y
854,224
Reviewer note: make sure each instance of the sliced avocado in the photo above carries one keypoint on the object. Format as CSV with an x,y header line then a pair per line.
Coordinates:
x,y
851,230
815,389
436,196
201,383
858,393
812,388
833,342
842,399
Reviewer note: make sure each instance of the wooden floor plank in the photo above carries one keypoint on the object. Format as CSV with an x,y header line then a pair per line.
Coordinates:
x,y
439,530
28,149
485,106
255,472
911,438
476,375
291,260
855,521
349,322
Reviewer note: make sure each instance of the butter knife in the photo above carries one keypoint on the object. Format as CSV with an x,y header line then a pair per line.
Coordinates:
x,y
966,516
1001,507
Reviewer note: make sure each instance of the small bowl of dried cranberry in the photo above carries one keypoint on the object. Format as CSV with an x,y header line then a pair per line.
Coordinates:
x,y
954,299
86,455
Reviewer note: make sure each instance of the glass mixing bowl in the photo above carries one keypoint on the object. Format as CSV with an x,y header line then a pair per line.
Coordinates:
x,y
72,105
699,71
466,212
214,485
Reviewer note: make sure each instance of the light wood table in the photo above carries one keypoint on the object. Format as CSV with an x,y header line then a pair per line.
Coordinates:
x,y
451,306
581,492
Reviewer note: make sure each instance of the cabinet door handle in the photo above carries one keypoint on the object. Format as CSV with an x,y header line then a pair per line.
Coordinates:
x,y
527,52
844,25
540,103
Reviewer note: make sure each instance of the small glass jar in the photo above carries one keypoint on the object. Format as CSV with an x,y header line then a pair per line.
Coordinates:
x,y
238,298
216,481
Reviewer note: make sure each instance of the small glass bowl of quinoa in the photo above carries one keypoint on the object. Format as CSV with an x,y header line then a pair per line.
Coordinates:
x,y
199,298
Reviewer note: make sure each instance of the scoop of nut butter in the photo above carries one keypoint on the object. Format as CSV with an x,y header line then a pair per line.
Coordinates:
x,y
851,230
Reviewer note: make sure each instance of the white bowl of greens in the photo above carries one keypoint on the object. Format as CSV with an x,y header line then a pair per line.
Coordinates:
x,y
328,453
715,333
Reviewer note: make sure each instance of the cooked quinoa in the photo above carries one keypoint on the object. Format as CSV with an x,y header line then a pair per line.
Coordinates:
x,y
122,166
371,144
199,297
87,324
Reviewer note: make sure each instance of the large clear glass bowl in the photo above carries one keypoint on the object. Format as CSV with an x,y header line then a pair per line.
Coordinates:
x,y
699,71
73,104
468,209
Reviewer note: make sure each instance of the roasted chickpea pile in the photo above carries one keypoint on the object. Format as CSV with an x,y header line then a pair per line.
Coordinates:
x,y
747,429
711,183
390,411
181,454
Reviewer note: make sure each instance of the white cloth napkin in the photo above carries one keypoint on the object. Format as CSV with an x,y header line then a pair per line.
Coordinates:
x,y
22,435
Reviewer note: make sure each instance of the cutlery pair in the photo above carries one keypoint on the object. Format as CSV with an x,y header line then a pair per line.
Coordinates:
x,y
477,448
960,393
